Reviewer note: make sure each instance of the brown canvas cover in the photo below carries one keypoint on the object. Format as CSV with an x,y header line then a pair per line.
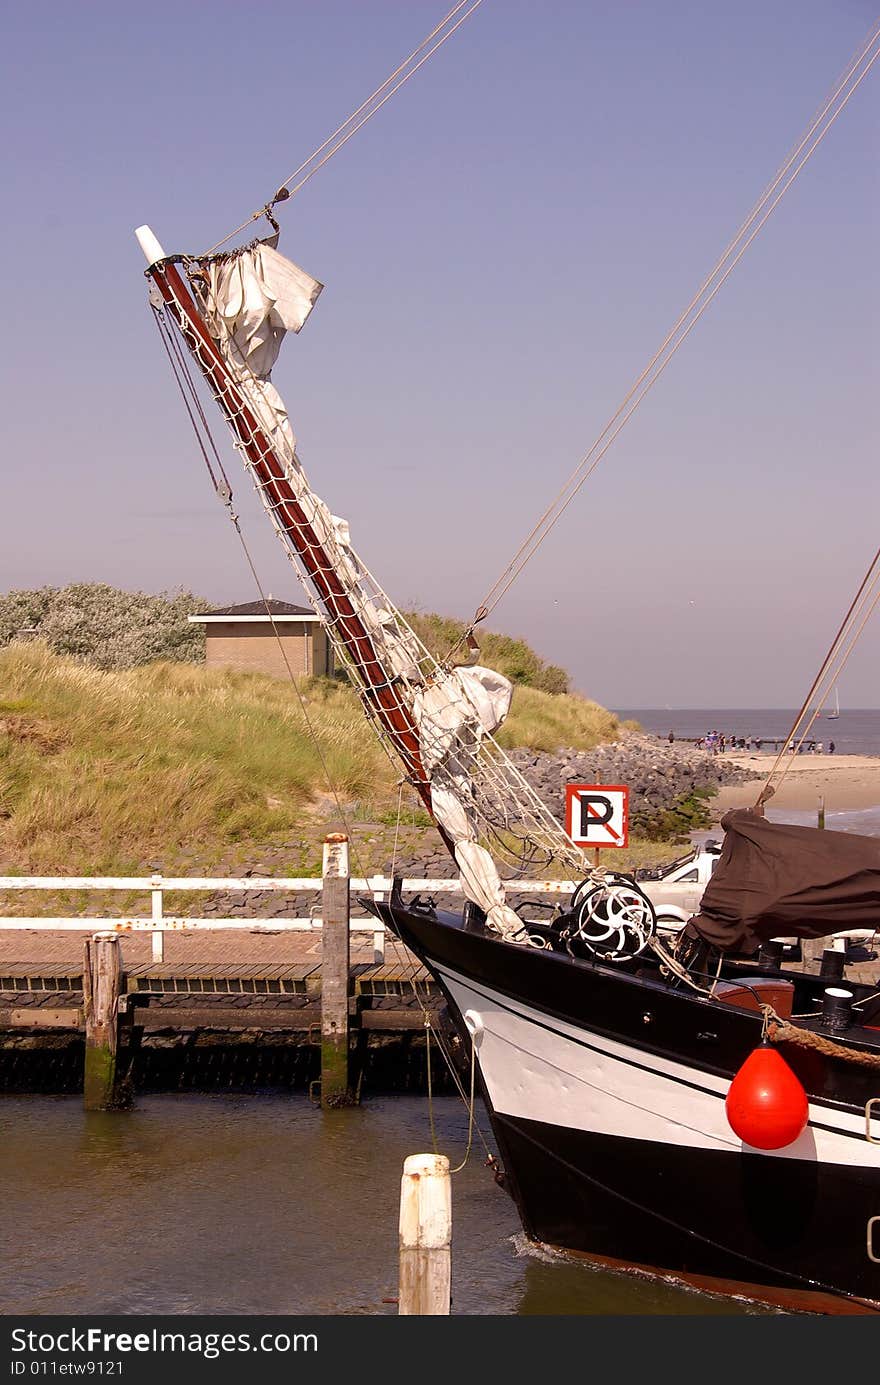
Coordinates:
x,y
773,880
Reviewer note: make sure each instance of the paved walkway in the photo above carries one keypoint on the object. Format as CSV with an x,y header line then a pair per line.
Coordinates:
x,y
44,952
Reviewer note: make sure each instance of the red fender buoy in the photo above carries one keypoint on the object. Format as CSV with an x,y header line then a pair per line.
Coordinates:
x,y
766,1105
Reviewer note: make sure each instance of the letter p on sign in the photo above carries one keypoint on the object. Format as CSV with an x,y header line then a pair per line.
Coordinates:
x,y
597,814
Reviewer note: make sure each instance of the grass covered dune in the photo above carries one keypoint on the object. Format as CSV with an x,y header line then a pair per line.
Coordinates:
x,y
171,764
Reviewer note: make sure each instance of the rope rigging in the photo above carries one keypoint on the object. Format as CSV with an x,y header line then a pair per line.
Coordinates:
x,y
860,611
392,671
824,118
358,118
821,123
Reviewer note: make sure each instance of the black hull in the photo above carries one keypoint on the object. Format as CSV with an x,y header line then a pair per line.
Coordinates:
x,y
759,1229
625,1160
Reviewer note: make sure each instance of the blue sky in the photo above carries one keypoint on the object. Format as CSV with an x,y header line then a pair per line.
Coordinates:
x,y
503,247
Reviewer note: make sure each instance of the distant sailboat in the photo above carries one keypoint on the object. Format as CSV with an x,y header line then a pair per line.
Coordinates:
x,y
836,713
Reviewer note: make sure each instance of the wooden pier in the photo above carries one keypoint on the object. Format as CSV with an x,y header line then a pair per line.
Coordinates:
x,y
234,1002
227,1004
179,1021
767,745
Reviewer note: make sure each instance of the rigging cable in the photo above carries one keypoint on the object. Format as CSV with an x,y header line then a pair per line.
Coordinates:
x,y
368,106
828,672
186,384
409,964
865,59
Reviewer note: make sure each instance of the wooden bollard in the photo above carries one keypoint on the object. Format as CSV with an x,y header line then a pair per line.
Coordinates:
x,y
425,1236
335,967
102,980
820,815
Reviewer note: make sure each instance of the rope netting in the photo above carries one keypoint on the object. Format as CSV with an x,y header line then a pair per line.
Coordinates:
x,y
422,710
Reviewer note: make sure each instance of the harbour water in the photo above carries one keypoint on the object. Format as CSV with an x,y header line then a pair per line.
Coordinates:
x,y
267,1205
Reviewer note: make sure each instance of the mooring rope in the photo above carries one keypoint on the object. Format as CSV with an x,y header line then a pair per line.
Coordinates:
x,y
470,1102
470,1105
779,1031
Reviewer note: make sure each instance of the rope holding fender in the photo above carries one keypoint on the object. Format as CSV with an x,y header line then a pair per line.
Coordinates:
x,y
779,1031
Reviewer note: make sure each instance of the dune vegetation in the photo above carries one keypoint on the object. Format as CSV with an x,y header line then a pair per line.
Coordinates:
x,y
104,771
443,636
106,627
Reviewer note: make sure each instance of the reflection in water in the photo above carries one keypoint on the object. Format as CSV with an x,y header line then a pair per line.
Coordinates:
x,y
266,1204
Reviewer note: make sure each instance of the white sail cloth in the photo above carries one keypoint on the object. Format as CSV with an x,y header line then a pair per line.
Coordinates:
x,y
257,296
453,713
250,301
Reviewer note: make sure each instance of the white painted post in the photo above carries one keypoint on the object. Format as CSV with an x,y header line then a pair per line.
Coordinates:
x,y
378,934
425,1236
158,934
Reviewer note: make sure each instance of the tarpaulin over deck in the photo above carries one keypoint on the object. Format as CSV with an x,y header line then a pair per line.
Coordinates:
x,y
777,881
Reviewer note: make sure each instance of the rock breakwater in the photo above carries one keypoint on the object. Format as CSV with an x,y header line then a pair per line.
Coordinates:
x,y
671,788
662,776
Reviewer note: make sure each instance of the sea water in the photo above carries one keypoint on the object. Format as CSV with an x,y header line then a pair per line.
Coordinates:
x,y
855,732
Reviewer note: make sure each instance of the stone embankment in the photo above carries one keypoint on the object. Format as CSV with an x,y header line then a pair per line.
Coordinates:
x,y
660,776
659,773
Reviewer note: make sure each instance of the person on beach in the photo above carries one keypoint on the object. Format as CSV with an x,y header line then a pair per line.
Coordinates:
x,y
672,738
830,747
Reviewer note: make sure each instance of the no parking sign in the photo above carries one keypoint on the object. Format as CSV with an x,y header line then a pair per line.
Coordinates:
x,y
597,814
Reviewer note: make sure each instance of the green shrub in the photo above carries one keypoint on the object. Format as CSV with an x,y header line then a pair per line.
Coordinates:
x,y
105,627
512,657
688,814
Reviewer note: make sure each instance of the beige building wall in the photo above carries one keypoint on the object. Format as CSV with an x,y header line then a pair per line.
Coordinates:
x,y
254,647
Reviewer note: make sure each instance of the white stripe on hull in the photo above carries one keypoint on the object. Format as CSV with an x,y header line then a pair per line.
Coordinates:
x,y
543,1069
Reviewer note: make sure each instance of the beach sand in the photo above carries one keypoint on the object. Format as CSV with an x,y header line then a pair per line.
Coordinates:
x,y
846,782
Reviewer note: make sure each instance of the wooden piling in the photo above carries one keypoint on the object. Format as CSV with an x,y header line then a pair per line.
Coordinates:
x,y
820,815
102,982
425,1236
335,965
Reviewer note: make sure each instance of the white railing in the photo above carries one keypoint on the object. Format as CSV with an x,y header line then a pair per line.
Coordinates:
x,y
159,923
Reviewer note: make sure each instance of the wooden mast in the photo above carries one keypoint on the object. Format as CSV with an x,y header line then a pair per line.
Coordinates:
x,y
269,472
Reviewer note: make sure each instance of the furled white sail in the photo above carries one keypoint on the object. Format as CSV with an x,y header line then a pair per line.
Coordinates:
x,y
256,297
453,713
249,300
